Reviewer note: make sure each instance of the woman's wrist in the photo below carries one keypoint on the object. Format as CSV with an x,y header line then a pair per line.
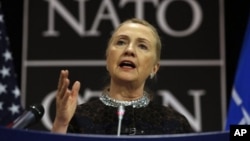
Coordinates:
x,y
59,127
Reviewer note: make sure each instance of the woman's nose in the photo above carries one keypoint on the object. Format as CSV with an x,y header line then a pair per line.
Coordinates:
x,y
130,50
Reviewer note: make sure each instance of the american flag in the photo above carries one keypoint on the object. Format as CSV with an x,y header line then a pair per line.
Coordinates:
x,y
10,104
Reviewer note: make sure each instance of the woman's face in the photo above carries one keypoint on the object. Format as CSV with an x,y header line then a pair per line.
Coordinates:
x,y
131,54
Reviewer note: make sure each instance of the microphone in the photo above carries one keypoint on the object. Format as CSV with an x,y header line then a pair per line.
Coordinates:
x,y
120,114
32,115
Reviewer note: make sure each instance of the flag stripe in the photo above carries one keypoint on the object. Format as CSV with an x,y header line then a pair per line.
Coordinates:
x,y
239,108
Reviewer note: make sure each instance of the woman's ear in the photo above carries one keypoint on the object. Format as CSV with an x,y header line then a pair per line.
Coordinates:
x,y
154,71
156,68
107,68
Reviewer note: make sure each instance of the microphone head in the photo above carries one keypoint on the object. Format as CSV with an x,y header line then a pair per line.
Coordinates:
x,y
121,111
37,110
32,115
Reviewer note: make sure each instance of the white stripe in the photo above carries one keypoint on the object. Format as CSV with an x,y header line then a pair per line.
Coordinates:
x,y
103,63
236,97
246,115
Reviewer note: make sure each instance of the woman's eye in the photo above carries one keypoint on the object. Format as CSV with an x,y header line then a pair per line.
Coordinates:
x,y
142,46
120,42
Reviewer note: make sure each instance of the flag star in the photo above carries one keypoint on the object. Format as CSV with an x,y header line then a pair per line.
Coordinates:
x,y
14,109
2,88
16,92
1,105
5,72
7,55
10,96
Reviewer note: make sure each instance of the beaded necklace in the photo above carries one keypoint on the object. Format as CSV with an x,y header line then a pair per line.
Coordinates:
x,y
138,103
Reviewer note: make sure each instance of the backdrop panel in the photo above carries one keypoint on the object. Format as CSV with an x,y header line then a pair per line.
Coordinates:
x,y
73,35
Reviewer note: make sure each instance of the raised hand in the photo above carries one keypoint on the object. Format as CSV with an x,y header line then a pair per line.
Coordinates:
x,y
66,102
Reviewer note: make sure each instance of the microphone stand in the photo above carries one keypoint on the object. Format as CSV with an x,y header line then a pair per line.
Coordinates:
x,y
120,113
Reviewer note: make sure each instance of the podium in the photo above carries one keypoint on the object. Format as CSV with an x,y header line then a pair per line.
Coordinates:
x,y
7,134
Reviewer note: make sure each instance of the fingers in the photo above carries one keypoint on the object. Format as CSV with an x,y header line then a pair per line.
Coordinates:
x,y
63,91
63,83
72,93
70,96
75,89
64,74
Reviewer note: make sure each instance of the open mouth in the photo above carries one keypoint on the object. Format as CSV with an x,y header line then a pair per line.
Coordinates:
x,y
127,64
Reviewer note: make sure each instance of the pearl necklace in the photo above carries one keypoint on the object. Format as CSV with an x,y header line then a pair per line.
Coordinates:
x,y
138,103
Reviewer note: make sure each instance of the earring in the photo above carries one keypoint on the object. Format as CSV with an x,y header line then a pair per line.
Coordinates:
x,y
152,75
